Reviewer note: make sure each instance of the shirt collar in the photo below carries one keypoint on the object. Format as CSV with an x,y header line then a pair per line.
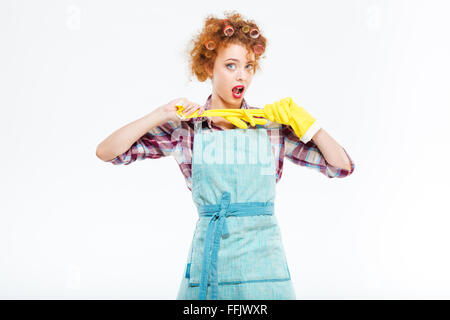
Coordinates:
x,y
207,106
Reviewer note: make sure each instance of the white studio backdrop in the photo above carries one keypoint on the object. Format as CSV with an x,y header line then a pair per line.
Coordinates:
x,y
376,74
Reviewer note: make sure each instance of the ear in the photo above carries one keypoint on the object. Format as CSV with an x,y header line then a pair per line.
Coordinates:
x,y
209,71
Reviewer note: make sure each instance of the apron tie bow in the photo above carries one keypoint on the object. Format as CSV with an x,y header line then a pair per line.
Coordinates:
x,y
217,222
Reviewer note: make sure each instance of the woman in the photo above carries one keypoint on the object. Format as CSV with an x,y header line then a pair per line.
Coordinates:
x,y
236,251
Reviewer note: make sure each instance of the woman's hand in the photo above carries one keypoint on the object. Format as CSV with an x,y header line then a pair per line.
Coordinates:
x,y
286,111
189,107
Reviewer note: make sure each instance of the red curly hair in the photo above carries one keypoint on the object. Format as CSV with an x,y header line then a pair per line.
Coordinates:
x,y
219,33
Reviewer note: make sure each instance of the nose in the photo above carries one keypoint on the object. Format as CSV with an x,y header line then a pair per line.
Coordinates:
x,y
241,75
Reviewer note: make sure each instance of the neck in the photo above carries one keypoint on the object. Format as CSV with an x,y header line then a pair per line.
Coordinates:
x,y
218,103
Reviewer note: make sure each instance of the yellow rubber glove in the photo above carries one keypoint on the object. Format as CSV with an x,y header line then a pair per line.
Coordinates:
x,y
286,111
235,116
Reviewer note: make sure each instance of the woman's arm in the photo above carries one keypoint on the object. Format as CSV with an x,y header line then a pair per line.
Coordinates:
x,y
333,153
121,140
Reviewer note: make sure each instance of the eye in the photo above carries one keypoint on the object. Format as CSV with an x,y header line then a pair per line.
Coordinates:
x,y
232,64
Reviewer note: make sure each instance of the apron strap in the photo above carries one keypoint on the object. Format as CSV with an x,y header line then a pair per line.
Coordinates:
x,y
198,126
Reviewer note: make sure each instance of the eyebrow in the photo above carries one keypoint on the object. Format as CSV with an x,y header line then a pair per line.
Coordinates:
x,y
238,60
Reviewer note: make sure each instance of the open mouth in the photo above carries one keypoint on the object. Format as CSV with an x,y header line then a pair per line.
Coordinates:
x,y
238,91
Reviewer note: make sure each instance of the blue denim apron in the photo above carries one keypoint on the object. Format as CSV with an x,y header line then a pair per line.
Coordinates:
x,y
236,251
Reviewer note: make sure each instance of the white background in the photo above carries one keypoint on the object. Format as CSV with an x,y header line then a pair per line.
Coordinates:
x,y
376,74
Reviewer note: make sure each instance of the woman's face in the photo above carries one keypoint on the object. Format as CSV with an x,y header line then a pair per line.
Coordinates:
x,y
232,68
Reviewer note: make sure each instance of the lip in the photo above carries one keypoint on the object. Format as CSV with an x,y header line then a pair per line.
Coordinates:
x,y
241,94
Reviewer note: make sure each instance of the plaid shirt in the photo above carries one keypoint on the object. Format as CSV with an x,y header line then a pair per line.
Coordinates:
x,y
163,140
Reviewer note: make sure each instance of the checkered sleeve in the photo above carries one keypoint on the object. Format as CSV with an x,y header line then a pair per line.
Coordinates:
x,y
156,143
309,155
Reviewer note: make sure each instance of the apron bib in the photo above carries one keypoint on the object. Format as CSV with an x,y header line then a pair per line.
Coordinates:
x,y
236,251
